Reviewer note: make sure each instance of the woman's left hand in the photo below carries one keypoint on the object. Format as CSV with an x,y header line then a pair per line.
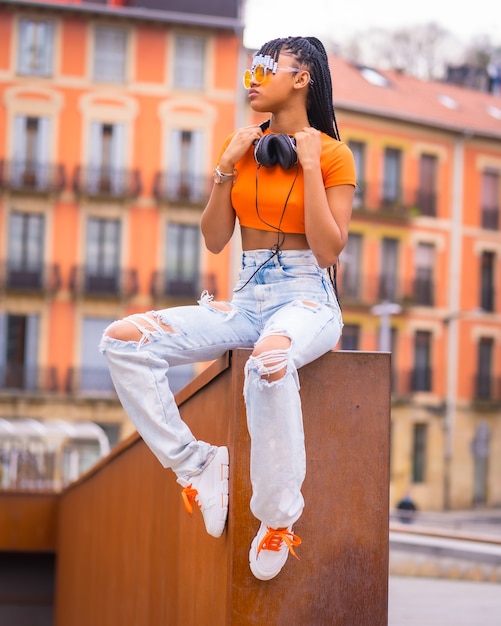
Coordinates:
x,y
309,146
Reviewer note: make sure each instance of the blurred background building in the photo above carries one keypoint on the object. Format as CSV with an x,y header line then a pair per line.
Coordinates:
x,y
112,115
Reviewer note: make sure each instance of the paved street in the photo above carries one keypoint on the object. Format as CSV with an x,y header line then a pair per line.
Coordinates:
x,y
439,602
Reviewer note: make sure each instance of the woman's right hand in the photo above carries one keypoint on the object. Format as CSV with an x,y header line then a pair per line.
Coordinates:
x,y
240,142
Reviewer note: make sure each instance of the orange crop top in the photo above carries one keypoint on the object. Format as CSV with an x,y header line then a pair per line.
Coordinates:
x,y
278,188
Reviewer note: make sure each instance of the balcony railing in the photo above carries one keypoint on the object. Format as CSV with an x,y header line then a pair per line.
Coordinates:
x,y
420,379
181,188
490,217
28,177
88,281
487,388
36,280
89,381
367,290
15,377
426,203
423,292
114,183
487,297
397,202
166,285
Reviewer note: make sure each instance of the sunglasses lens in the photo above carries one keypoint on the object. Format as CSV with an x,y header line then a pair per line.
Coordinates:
x,y
247,78
259,73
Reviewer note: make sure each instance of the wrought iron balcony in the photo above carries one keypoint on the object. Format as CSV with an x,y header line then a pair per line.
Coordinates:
x,y
423,292
110,183
167,285
490,217
23,176
89,381
181,188
35,280
426,203
420,379
487,388
376,198
16,377
93,282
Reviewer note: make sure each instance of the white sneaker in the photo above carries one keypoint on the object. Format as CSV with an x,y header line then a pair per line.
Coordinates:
x,y
270,549
209,492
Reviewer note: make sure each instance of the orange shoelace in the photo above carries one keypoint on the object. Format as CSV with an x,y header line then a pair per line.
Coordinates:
x,y
274,537
189,496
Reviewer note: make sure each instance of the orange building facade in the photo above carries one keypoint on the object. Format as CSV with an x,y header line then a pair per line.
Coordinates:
x,y
111,119
421,274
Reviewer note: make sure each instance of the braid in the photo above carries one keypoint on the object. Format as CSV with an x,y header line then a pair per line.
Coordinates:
x,y
309,51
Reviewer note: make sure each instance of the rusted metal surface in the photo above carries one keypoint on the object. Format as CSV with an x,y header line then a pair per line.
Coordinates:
x,y
128,553
28,521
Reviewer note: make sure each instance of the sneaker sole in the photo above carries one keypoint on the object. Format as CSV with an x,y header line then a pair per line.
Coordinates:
x,y
255,568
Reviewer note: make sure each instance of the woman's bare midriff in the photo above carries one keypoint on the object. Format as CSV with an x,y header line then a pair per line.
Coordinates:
x,y
254,239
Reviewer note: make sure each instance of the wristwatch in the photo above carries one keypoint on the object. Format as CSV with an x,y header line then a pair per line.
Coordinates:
x,y
220,177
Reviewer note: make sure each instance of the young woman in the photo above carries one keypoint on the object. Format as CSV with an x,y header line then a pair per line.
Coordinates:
x,y
290,183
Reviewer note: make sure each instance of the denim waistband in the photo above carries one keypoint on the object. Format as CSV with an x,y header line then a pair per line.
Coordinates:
x,y
289,257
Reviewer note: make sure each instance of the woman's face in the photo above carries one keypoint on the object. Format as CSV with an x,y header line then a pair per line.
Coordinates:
x,y
268,90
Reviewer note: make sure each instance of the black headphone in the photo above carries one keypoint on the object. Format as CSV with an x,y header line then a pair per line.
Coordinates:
x,y
278,149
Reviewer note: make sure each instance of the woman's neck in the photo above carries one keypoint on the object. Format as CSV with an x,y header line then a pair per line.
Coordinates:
x,y
288,122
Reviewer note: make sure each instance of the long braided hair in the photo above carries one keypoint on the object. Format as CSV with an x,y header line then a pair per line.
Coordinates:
x,y
310,53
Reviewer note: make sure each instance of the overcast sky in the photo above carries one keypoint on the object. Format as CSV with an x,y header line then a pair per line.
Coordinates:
x,y
267,19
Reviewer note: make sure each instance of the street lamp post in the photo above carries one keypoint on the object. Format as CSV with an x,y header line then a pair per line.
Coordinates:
x,y
385,310
452,327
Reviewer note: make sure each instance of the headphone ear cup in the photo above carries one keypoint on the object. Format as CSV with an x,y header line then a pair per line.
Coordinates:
x,y
278,149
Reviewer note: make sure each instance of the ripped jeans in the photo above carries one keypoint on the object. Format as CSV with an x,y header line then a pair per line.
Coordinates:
x,y
285,294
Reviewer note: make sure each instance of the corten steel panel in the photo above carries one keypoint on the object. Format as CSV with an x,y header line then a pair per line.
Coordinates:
x,y
341,578
28,522
128,554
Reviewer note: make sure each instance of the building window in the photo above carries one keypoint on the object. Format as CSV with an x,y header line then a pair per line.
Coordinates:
x,y
182,259
186,173
102,256
189,62
426,199
423,282
358,150
31,151
421,375
350,337
392,176
19,336
487,293
351,259
93,375
419,453
389,269
483,387
35,47
106,158
110,50
490,199
26,245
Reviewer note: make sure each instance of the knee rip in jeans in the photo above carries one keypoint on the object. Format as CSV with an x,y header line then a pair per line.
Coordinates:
x,y
139,327
271,358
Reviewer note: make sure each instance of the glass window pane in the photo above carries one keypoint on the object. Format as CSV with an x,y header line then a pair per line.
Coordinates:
x,y
189,63
110,46
35,47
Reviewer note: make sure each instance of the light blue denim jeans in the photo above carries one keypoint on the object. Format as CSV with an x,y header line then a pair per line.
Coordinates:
x,y
284,294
